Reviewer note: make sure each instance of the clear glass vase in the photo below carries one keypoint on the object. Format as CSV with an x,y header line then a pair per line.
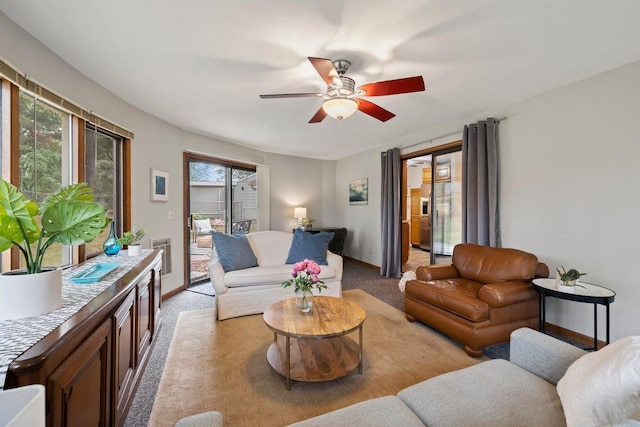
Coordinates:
x,y
304,300
111,246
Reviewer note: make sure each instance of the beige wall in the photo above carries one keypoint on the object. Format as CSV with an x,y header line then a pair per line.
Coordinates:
x,y
569,189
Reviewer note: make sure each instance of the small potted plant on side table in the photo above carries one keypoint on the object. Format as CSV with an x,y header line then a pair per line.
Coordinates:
x,y
130,239
307,223
567,280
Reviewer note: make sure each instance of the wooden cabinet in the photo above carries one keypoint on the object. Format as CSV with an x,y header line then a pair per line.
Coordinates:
x,y
416,212
124,351
426,175
405,242
91,364
80,387
145,306
156,301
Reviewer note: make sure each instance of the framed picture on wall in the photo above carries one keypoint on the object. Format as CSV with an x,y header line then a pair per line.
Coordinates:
x,y
159,186
359,191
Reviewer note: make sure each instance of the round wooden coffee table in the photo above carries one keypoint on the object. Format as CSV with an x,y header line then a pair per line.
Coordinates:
x,y
312,347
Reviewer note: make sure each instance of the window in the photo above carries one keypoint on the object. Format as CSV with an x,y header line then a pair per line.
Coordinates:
x,y
46,143
103,172
2,116
45,164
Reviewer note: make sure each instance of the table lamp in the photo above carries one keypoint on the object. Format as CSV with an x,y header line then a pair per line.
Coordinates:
x,y
300,213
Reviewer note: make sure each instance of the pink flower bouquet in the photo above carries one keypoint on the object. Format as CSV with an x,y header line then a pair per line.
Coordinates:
x,y
305,277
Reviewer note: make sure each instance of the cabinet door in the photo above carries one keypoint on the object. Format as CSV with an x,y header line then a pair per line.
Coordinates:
x,y
426,175
124,353
79,389
157,297
416,211
145,308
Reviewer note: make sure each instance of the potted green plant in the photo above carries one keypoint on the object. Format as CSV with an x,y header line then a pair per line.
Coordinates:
x,y
131,240
568,278
307,223
69,217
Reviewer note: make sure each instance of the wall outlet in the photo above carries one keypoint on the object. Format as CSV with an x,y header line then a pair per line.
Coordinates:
x,y
370,251
172,214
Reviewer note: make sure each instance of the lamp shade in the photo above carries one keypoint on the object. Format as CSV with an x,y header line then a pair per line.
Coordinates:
x,y
299,212
339,108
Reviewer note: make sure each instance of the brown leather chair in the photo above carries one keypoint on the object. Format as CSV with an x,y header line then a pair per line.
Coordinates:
x,y
480,298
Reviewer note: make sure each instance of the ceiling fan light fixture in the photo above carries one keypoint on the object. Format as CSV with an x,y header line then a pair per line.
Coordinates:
x,y
340,108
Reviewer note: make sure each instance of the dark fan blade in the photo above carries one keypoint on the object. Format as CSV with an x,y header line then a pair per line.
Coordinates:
x,y
374,110
325,68
319,116
290,95
393,87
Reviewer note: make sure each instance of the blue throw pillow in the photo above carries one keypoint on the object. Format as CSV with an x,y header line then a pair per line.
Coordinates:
x,y
309,246
234,251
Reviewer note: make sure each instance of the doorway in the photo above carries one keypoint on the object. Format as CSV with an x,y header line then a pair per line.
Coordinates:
x,y
219,197
433,209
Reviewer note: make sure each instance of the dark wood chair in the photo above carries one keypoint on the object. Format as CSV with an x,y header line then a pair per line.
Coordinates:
x,y
244,226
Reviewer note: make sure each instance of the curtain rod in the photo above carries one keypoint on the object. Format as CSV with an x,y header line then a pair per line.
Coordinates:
x,y
26,83
446,135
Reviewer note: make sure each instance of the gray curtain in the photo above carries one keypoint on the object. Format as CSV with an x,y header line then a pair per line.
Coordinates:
x,y
480,184
391,265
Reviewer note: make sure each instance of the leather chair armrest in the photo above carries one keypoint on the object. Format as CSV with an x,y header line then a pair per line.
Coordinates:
x,y
507,293
542,270
436,272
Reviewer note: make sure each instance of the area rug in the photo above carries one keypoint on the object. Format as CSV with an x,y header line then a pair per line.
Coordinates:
x,y
501,351
222,366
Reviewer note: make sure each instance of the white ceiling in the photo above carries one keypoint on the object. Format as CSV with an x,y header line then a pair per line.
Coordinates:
x,y
201,64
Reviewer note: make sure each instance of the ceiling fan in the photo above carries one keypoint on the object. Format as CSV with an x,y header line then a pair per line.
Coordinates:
x,y
343,98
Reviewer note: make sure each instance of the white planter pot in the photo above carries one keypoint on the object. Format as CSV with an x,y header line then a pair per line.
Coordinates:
x,y
134,250
567,289
29,295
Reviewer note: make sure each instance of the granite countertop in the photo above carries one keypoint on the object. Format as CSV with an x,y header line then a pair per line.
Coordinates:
x,y
17,336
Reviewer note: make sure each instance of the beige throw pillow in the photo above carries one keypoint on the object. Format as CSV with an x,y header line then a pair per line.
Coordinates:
x,y
603,387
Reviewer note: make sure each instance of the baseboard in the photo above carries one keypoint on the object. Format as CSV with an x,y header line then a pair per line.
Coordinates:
x,y
366,264
572,335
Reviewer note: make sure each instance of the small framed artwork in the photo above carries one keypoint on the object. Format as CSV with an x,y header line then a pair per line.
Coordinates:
x,y
443,173
159,186
359,191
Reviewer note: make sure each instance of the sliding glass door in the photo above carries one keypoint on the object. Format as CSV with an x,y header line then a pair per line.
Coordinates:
x,y
446,206
221,198
433,211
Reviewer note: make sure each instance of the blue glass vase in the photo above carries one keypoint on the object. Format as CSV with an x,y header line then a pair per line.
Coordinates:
x,y
111,246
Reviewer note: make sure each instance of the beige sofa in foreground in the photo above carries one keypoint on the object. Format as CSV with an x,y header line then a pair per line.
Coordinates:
x,y
520,392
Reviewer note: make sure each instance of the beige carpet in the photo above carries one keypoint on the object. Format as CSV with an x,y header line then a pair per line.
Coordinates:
x,y
222,365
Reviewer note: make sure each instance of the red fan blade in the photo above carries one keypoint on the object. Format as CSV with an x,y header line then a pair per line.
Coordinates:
x,y
290,95
325,68
319,116
393,87
374,110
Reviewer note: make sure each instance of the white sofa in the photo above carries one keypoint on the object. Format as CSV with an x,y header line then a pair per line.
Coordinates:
x,y
252,290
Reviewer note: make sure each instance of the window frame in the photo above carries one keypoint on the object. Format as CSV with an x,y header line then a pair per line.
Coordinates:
x,y
79,119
